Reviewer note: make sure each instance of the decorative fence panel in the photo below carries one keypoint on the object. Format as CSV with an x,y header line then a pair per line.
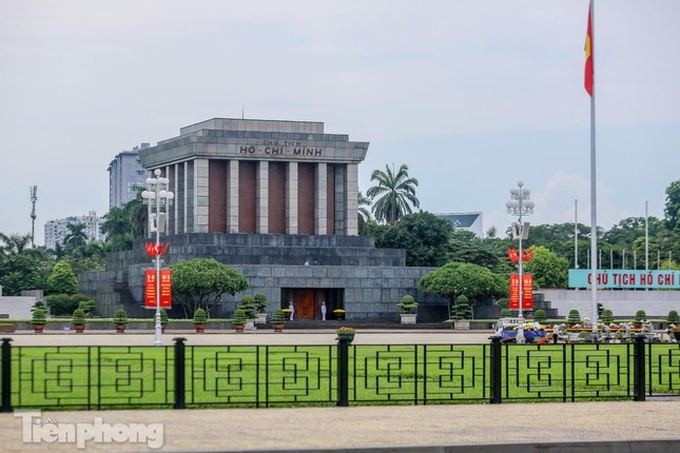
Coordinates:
x,y
179,376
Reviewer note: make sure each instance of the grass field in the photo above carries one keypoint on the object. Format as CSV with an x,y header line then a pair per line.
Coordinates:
x,y
107,377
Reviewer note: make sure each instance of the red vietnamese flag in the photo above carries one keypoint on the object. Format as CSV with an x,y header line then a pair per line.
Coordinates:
x,y
589,54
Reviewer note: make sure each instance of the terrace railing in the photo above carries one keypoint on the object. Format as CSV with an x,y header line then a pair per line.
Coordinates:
x,y
179,376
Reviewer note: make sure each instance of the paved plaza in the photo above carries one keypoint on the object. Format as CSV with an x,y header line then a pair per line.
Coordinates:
x,y
547,427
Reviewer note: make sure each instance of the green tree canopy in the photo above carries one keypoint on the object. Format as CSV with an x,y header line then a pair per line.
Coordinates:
x,y
201,282
423,235
476,282
62,280
548,269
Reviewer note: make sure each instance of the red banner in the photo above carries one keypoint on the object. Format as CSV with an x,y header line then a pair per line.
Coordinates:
x,y
165,286
527,292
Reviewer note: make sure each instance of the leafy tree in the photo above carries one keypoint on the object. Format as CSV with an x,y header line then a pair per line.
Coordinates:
x,y
424,237
548,269
62,280
201,282
454,279
393,195
465,247
21,267
672,207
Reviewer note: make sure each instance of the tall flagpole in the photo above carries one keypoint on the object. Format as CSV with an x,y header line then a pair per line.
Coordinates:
x,y
590,55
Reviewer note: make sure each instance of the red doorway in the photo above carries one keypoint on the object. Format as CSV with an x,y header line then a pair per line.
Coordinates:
x,y
304,305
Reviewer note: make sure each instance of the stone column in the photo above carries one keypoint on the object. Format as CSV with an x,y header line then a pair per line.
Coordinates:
x,y
351,194
262,201
321,199
232,197
292,198
201,193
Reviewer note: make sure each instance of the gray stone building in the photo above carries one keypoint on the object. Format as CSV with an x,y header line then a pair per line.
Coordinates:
x,y
276,200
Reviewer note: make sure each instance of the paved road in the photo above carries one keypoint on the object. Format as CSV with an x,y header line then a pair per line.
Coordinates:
x,y
605,427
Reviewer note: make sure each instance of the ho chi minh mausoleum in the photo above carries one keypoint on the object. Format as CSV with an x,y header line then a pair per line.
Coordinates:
x,y
266,197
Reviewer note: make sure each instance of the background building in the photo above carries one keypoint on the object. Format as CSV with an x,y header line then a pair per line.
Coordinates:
x,y
125,171
467,221
57,230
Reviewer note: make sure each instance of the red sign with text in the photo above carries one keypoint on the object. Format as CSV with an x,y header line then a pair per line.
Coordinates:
x,y
165,286
527,292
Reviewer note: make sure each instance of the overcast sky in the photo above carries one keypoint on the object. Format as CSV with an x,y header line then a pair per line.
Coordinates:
x,y
471,95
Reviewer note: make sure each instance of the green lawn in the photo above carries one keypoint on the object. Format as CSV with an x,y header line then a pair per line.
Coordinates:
x,y
249,376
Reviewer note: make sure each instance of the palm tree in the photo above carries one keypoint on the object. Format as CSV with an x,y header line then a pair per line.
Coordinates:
x,y
363,202
14,244
396,192
77,237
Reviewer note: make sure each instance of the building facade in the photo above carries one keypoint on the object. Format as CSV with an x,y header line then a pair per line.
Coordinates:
x,y
277,201
57,230
125,172
466,221
260,177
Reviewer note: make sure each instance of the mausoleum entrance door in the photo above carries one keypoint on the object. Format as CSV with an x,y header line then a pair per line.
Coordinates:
x,y
304,307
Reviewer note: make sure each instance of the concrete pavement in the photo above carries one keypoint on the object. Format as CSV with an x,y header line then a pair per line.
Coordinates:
x,y
553,427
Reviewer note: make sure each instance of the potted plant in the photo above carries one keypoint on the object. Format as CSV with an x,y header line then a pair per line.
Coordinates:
x,y
164,320
200,320
78,320
408,307
250,309
461,313
261,302
278,320
345,334
239,320
339,313
7,327
38,320
120,320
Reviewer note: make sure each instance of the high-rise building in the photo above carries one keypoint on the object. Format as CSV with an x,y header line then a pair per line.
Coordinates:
x,y
125,172
57,230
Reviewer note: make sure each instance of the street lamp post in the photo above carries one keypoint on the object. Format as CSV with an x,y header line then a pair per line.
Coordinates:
x,y
157,196
520,206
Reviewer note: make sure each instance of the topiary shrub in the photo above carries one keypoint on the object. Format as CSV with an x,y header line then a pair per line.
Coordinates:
x,y
640,316
506,313
200,317
607,316
239,317
249,306
120,317
673,317
261,302
408,304
78,317
462,308
502,302
540,316
574,317
278,316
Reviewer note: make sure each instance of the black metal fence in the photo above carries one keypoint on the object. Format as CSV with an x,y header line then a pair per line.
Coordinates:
x,y
179,376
